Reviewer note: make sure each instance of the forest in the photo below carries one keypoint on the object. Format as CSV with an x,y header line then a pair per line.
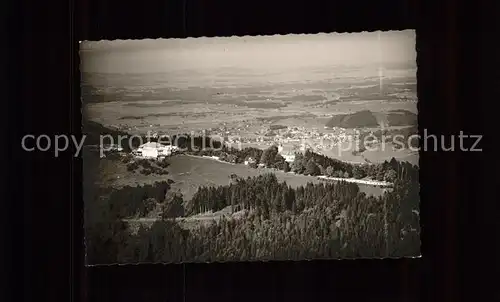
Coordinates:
x,y
276,222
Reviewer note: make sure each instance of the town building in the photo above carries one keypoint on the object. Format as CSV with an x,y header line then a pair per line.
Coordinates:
x,y
111,148
173,149
288,153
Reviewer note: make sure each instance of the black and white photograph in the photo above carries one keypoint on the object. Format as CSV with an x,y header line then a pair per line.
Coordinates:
x,y
250,148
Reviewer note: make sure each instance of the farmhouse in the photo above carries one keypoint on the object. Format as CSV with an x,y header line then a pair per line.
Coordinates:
x,y
153,150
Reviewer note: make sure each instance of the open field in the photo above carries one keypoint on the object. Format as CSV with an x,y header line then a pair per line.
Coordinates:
x,y
195,86
189,173
330,96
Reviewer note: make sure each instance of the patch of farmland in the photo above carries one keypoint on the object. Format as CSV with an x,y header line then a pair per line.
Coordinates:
x,y
190,173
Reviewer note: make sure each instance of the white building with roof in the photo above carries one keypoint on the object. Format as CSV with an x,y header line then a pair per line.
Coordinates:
x,y
153,150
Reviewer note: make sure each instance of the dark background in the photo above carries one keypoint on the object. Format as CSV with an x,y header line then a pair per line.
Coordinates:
x,y
457,87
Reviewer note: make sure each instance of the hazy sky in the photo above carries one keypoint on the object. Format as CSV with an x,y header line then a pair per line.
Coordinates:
x,y
260,53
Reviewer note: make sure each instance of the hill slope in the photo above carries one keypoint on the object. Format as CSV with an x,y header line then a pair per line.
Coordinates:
x,y
360,119
401,118
93,132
